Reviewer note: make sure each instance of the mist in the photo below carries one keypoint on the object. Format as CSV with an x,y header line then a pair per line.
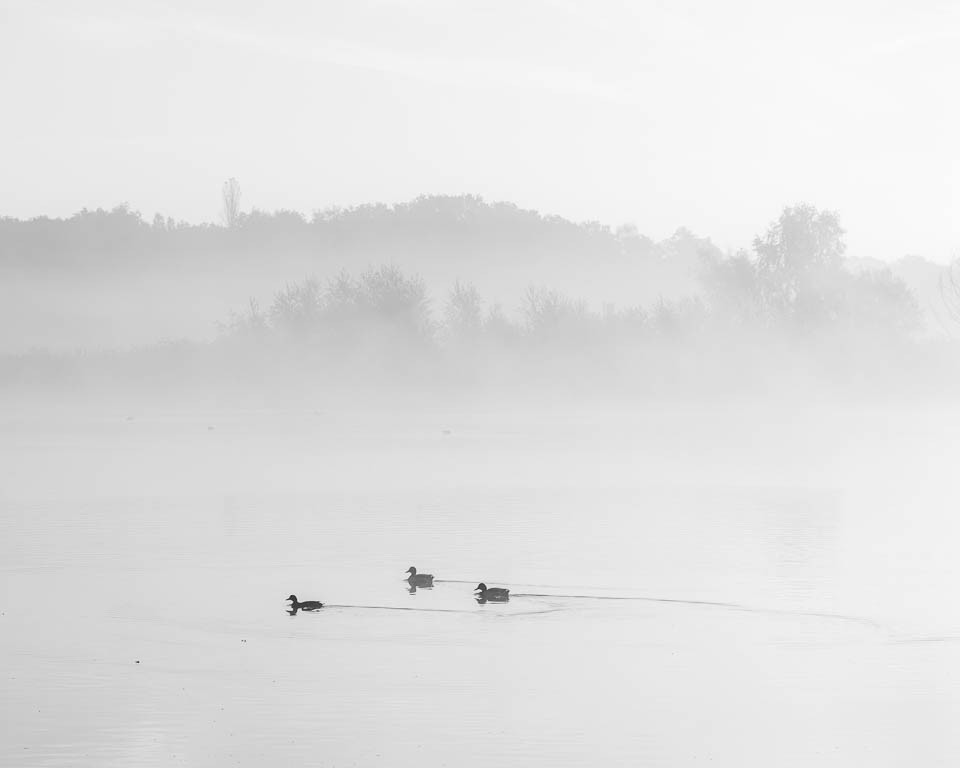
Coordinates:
x,y
444,385
454,297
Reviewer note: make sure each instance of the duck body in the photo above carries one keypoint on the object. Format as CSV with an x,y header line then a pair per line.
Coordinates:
x,y
306,605
419,579
492,594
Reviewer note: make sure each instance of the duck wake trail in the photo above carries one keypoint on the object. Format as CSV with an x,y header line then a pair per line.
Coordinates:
x,y
396,608
720,605
436,610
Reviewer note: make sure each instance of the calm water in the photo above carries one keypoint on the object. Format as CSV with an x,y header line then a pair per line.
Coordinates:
x,y
690,587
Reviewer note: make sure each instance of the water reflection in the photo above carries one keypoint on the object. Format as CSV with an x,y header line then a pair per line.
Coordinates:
x,y
484,600
412,588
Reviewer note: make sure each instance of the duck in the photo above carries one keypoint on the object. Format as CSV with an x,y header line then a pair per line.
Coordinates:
x,y
494,594
306,605
419,579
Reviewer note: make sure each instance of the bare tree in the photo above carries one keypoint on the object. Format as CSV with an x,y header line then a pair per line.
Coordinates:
x,y
464,312
231,203
950,289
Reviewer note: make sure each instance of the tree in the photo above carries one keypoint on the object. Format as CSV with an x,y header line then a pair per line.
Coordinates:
x,y
554,318
950,290
798,265
395,301
296,309
731,287
231,203
463,313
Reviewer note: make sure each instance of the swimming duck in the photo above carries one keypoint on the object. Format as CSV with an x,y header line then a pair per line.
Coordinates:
x,y
493,594
306,605
419,579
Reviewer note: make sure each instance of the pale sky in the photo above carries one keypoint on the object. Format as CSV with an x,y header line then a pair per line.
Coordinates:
x,y
711,115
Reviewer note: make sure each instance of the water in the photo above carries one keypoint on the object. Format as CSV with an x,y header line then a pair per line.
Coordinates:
x,y
696,586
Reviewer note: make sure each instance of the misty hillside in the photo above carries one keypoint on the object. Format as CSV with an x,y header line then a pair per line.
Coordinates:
x,y
106,279
454,295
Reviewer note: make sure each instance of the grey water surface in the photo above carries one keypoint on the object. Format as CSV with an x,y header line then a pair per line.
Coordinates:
x,y
689,586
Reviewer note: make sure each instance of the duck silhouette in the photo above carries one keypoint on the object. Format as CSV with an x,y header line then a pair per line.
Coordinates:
x,y
419,579
492,594
306,605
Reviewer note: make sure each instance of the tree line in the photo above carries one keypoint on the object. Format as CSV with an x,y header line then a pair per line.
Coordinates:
x,y
793,283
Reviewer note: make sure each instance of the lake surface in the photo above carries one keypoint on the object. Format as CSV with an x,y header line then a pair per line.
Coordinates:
x,y
690,586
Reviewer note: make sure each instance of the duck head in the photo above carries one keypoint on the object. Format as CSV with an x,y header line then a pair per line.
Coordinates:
x,y
481,587
412,570
292,598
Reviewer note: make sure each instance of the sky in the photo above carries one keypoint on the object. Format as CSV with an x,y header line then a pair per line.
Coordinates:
x,y
709,115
